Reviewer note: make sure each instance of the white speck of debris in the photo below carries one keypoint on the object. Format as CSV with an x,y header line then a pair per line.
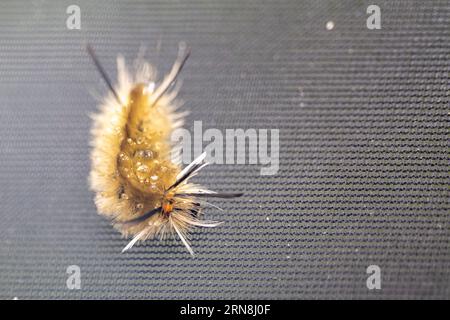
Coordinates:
x,y
267,218
288,257
330,25
15,298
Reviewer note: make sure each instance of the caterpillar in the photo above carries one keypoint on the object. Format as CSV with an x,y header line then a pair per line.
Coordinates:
x,y
138,186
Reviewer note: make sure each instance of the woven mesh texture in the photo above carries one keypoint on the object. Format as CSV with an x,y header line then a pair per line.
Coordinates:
x,y
363,128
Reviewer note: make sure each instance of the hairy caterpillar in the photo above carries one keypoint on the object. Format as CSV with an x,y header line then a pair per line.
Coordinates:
x,y
136,183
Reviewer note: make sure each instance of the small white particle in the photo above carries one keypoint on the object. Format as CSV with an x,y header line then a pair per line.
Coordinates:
x,y
267,218
288,257
330,25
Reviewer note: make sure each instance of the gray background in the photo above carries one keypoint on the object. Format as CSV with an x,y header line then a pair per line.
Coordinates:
x,y
363,120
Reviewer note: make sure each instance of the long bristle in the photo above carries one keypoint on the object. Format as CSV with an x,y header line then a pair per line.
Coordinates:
x,y
212,195
141,218
183,239
102,71
171,77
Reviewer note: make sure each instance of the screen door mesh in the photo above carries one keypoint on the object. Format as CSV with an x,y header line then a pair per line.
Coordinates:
x,y
362,180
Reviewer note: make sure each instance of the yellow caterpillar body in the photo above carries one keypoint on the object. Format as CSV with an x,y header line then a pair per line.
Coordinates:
x,y
136,183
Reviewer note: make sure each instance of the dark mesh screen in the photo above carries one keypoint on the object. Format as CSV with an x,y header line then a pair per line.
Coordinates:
x,y
364,148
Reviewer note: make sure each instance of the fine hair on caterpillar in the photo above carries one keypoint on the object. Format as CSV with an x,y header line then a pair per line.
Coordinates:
x,y
138,186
